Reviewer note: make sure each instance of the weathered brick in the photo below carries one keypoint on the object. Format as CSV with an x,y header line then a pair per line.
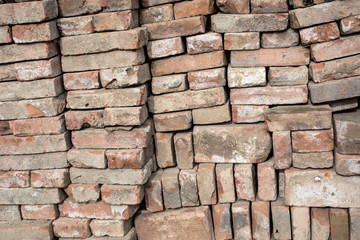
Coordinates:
x,y
102,60
248,113
233,6
320,188
153,192
26,229
165,155
222,221
320,223
225,183
269,6
281,183
176,28
242,41
98,210
111,228
211,115
83,193
156,14
318,34
125,116
165,47
347,165
76,120
260,217
75,25
35,51
301,3
203,79
39,211
9,213
245,181
57,178
339,223
171,188
267,181
14,179
32,196
282,39
240,212
188,63
188,187
300,220
31,33
282,149
149,3
169,83
198,224
7,72
211,143
194,8
122,194
280,214
354,222
313,160
269,95
128,158
279,57
246,77
5,34
190,100
34,70
34,161
176,121
228,23
5,128
327,12
38,126
286,118
203,43
71,227
34,144
122,20
343,104
288,76
111,176
312,141
28,12
82,80
206,182
347,127
350,24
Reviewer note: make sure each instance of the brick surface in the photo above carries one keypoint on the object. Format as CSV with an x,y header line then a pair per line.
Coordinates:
x,y
33,70
248,113
153,192
260,217
222,221
283,39
194,8
122,20
300,220
57,178
76,120
350,24
14,179
207,42
347,165
245,186
241,220
32,196
39,211
75,25
339,223
280,214
9,213
71,227
176,121
225,183
30,33
242,41
354,222
234,6
312,141
269,6
188,187
128,158
204,79
82,80
246,77
282,149
212,115
320,223
206,181
183,143
347,127
318,34
165,154
267,181
111,228
165,47
27,229
38,126
83,193
122,195
168,84
5,34
171,188
156,14
285,76
313,160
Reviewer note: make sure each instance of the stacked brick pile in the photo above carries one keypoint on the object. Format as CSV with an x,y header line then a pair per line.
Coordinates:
x,y
169,119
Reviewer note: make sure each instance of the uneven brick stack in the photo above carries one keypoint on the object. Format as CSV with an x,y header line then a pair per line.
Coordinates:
x,y
169,119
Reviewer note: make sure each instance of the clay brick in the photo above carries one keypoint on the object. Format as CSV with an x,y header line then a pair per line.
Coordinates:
x,y
98,210
111,176
76,120
347,165
227,23
350,24
260,217
169,83
5,128
123,77
300,219
206,182
248,113
40,229
127,158
125,116
240,211
183,142
269,95
212,115
194,8
75,25
7,72
176,28
320,188
242,41
153,192
31,33
156,14
312,141
320,223
165,47
39,211
32,196
233,6
34,161
279,57
171,188
281,183
336,69
198,224
267,181
343,104
204,79
83,193
354,223
281,220
188,63
246,77
119,21
190,100
57,178
176,121
222,221
28,12
9,213
287,118
97,61
301,3
122,194
82,80
288,76
334,90
282,39
245,181
34,70
35,51
347,127
203,43
14,179
282,150
327,12
111,228
34,144
339,223
188,187
225,183
313,160
38,126
71,227
211,143
318,34
5,34
165,150
269,6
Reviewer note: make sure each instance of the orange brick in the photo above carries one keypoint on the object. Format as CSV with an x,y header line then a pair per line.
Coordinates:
x,y
71,227
39,211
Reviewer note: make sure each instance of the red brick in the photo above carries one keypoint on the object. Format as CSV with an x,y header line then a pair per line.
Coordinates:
x,y
267,181
165,155
301,3
312,141
188,187
125,116
248,113
313,160
222,221
242,41
211,115
171,188
123,20
194,8
76,120
111,228
204,79
75,25
350,24
206,182
269,6
203,43
14,179
57,178
282,150
233,6
245,181
30,33
318,34
31,196
282,39
39,212
169,83
225,183
300,219
320,223
5,34
280,214
156,14
71,227
38,126
83,193
260,216
153,192
26,229
347,165
127,158
240,212
246,77
34,70
183,142
176,121
165,47
271,57
83,80
122,194
288,76
339,223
